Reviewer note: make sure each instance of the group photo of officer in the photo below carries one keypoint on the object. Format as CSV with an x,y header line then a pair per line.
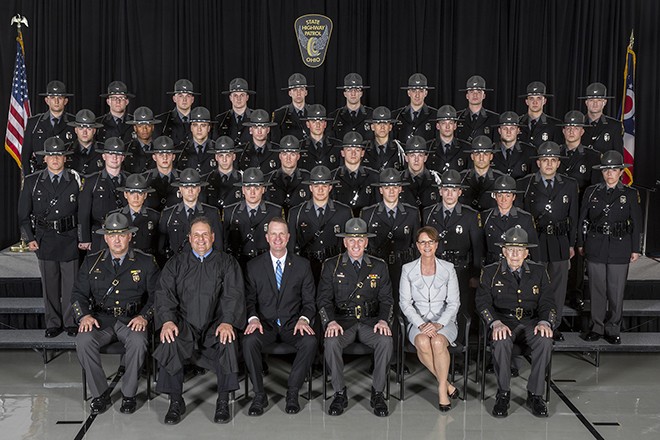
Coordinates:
x,y
316,229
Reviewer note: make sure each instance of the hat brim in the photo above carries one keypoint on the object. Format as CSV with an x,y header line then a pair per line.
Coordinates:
x,y
164,151
152,122
390,184
547,95
525,245
105,95
229,92
479,151
320,182
213,151
315,118
365,235
475,88
58,153
103,231
452,185
77,124
558,156
120,153
595,97
436,119
352,87
506,191
66,95
257,124
499,124
241,184
181,185
145,190
417,87
572,125
183,91
297,87
382,121
607,167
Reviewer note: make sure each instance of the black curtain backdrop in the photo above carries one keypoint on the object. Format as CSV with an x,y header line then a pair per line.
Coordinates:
x,y
149,44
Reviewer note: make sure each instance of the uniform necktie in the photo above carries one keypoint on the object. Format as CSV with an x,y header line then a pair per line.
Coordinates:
x,y
239,119
507,153
224,178
185,119
475,116
56,181
381,150
253,214
353,175
135,215
516,275
356,265
320,213
300,114
447,215
353,114
481,180
54,121
190,211
116,262
548,183
115,181
200,149
259,151
390,213
415,115
278,274
532,124
319,146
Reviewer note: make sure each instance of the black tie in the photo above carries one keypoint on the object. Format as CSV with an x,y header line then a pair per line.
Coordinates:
x,y
224,178
190,211
119,122
200,149
570,153
481,180
507,153
253,214
391,214
287,180
516,275
300,114
259,151
56,181
353,175
532,124
239,119
381,150
356,265
185,119
447,148
353,114
116,262
115,181
135,214
55,121
475,116
447,215
415,115
319,145
548,183
320,214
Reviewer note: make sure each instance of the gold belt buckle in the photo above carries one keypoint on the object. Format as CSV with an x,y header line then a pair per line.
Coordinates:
x,y
358,312
519,313
117,311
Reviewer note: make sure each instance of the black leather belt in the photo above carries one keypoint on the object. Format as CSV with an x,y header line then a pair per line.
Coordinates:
x,y
358,312
518,313
130,310
554,229
60,225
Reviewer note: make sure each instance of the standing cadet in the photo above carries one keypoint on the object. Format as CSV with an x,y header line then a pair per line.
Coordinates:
x,y
510,156
288,187
246,222
353,116
289,119
176,122
416,118
145,220
175,221
612,226
601,133
259,152
480,178
113,300
578,160
460,235
383,151
99,194
355,304
420,191
161,177
475,120
552,199
47,209
114,122
354,180
536,126
196,152
230,123
319,148
221,190
84,158
52,123
140,147
313,224
447,152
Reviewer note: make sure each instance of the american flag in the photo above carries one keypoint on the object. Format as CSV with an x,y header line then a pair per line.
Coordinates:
x,y
19,105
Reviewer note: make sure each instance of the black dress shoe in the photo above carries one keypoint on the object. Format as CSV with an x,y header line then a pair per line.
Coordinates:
x,y
99,405
339,403
259,402
128,405
379,404
537,405
613,339
444,408
557,336
455,394
175,411
592,336
72,331
292,404
53,332
222,414
501,408
514,372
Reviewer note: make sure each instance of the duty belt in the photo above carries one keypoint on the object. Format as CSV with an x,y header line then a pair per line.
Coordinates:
x,y
554,229
457,258
617,229
61,225
518,313
322,254
130,310
368,310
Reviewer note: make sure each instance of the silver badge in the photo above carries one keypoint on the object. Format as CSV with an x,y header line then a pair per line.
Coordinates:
x,y
150,225
406,230
622,200
302,193
337,229
524,167
374,225
134,135
237,194
606,136
427,127
213,163
548,207
565,198
265,227
487,130
583,169
368,190
333,159
72,198
461,162
366,127
99,163
433,195
544,136
273,164
68,135
459,229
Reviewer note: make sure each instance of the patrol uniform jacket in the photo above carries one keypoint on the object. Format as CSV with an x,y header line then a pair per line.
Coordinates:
x,y
99,288
140,159
37,130
287,191
85,163
343,122
476,194
454,159
174,227
423,126
110,128
289,123
296,296
618,210
165,195
226,126
604,134
579,164
420,192
546,129
329,155
342,288
198,296
484,125
98,197
245,236
314,238
495,225
41,202
391,158
555,214
173,126
221,191
461,240
395,238
499,294
146,237
356,193
204,163
267,161
520,163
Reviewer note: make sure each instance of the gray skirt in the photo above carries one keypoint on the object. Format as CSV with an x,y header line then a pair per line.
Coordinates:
x,y
450,331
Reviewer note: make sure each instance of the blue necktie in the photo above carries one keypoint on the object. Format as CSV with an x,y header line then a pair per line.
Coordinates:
x,y
278,274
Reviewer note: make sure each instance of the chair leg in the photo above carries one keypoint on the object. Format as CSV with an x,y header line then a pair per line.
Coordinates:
x,y
309,385
325,381
466,360
483,375
548,378
84,385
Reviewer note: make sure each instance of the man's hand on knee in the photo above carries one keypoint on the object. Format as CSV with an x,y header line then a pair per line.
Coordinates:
x,y
138,324
226,333
382,328
87,323
333,329
500,331
169,332
543,329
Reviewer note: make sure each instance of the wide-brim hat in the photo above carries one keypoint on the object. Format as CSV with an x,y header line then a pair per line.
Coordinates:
x,y
116,223
355,227
549,149
535,88
54,146
416,144
450,179
117,88
596,91
475,82
611,160
85,118
505,184
143,116
316,112
200,114
238,85
296,81
253,177
573,118
259,117
114,145
508,118
353,139
381,115
390,177
320,175
56,88
480,144
136,183
446,113
417,81
353,81
183,86
289,143
189,177
516,237
224,144
163,144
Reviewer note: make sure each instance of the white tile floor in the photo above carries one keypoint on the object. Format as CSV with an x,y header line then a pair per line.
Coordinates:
x,y
44,402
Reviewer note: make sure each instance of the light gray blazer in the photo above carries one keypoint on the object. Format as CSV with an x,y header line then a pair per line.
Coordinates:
x,y
418,305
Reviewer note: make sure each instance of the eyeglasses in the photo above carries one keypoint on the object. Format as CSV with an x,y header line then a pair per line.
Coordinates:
x,y
117,98
427,242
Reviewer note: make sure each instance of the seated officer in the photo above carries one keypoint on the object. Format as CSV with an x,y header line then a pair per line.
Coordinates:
x,y
164,173
84,158
221,191
416,118
280,301
355,304
287,183
259,152
515,303
197,314
447,152
318,149
140,147
113,300
289,119
383,151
